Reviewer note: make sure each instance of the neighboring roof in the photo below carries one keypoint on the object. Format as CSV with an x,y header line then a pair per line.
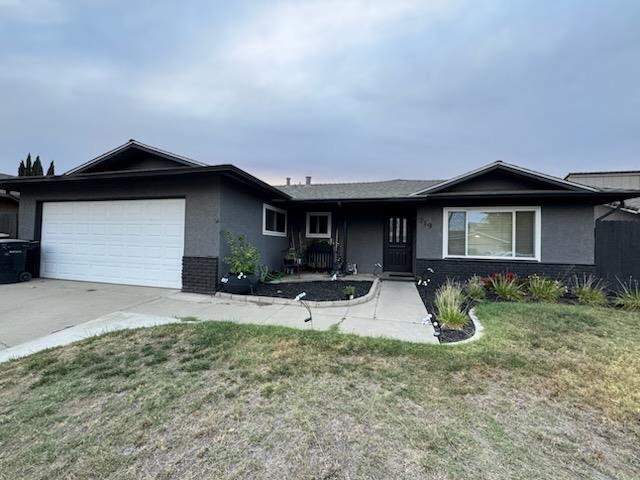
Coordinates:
x,y
188,162
4,175
612,180
500,165
356,190
609,172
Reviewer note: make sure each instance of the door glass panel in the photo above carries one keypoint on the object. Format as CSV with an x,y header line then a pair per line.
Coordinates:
x,y
404,230
391,230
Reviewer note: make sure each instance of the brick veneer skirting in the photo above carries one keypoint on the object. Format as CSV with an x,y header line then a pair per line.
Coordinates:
x,y
461,269
199,274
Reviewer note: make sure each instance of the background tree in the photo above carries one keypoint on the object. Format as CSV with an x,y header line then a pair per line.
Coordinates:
x,y
28,167
37,168
21,169
52,169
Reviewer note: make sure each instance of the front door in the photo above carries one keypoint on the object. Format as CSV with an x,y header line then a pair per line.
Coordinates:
x,y
398,245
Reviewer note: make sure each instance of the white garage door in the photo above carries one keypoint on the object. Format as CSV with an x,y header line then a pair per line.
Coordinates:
x,y
134,242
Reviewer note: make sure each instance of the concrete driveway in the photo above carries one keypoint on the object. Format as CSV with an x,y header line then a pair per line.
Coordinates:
x,y
47,313
34,309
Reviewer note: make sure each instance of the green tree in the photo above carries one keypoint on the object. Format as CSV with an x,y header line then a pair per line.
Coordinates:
x,y
21,169
51,170
37,168
28,167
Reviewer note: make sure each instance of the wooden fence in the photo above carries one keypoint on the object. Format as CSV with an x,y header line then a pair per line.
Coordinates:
x,y
618,251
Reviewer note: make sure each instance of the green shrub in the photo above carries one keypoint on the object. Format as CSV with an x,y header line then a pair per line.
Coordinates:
x,y
629,296
545,289
506,287
589,290
474,289
244,257
349,290
449,305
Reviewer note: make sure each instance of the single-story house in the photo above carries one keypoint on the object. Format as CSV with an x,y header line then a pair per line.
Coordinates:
x,y
8,200
139,215
8,210
627,211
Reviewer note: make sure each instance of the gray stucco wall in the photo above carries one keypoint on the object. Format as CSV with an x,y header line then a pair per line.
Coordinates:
x,y
364,240
567,233
241,214
202,203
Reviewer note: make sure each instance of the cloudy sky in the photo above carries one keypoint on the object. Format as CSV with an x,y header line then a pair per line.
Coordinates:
x,y
337,89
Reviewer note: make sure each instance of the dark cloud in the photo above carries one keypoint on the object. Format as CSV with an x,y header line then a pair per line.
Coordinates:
x,y
338,90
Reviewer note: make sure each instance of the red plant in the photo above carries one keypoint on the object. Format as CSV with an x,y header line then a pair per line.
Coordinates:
x,y
507,275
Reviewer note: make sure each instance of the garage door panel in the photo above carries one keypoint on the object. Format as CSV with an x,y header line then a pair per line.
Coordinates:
x,y
138,242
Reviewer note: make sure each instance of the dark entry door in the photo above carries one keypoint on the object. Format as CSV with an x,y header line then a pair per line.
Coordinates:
x,y
398,246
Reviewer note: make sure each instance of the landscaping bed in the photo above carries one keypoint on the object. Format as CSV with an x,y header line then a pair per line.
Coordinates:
x,y
447,335
318,291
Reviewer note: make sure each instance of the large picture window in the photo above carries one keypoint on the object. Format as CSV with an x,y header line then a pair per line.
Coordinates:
x,y
274,221
492,232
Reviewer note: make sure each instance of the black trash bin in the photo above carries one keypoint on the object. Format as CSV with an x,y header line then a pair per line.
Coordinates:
x,y
13,260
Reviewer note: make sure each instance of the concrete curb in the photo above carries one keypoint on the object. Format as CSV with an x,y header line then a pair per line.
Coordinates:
x,y
478,333
373,291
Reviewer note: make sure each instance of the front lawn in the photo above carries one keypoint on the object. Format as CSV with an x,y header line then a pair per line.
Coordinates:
x,y
551,391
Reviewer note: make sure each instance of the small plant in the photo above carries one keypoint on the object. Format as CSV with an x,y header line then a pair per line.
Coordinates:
x,y
629,296
507,287
449,305
349,291
545,289
475,289
589,290
244,257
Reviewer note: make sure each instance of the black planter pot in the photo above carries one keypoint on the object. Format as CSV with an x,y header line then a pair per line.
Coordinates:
x,y
241,286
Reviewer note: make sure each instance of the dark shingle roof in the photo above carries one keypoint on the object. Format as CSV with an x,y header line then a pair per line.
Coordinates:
x,y
358,190
4,175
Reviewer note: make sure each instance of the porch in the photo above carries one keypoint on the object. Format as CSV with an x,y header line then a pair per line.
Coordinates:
x,y
372,238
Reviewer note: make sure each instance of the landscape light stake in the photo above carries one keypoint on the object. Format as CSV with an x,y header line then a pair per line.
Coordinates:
x,y
299,298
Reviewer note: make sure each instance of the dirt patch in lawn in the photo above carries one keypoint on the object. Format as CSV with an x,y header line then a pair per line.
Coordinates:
x,y
319,291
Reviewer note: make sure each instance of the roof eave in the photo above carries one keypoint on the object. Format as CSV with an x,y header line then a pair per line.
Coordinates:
x,y
141,146
510,168
16,183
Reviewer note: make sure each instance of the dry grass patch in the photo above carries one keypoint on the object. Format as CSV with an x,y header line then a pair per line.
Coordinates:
x,y
549,392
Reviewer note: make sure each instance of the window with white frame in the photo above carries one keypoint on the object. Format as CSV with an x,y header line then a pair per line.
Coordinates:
x,y
274,221
318,225
492,232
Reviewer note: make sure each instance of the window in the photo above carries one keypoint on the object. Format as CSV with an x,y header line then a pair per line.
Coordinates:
x,y
318,225
492,232
274,221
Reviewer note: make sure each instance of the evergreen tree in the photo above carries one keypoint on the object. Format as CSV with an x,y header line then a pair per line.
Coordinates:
x,y
28,169
51,170
37,168
21,169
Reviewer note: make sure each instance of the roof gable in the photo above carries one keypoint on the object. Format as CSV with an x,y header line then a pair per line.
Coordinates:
x,y
131,156
502,177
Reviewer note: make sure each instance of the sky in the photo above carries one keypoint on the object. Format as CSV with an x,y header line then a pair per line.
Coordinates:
x,y
341,90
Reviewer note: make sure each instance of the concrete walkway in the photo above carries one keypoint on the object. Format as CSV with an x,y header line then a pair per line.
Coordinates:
x,y
396,312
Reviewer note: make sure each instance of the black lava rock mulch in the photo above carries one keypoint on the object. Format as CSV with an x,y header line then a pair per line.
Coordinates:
x,y
318,291
427,294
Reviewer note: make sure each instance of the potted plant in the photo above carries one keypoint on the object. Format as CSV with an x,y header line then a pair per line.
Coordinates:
x,y
243,263
349,291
